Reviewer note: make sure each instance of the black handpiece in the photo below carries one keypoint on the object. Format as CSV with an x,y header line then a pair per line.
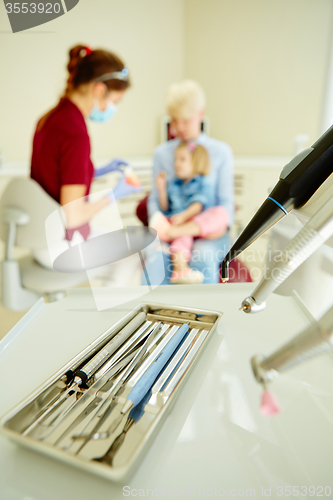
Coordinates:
x,y
299,180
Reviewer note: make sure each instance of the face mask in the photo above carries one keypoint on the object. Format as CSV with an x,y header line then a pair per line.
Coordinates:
x,y
97,115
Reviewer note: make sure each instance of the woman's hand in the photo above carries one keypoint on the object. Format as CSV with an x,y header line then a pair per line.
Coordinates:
x,y
124,188
115,164
178,219
161,182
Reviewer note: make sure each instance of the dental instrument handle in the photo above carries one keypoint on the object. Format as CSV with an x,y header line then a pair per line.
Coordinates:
x,y
181,352
70,374
298,181
154,354
146,329
119,382
172,384
314,340
148,378
318,230
83,375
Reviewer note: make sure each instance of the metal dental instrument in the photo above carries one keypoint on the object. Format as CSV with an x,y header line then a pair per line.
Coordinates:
x,y
148,361
176,377
314,340
299,180
146,379
101,397
185,356
123,353
318,230
109,396
50,432
177,358
134,416
83,375
70,374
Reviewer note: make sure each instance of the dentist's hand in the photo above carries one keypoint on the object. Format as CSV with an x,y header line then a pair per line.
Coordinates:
x,y
124,188
115,164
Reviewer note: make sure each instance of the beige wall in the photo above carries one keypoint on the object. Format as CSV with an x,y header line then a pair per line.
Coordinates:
x,y
262,63
147,34
263,66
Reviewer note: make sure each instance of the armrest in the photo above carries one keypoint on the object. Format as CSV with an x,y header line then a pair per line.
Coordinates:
x,y
14,217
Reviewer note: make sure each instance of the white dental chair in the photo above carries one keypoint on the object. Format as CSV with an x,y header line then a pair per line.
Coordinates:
x,y
24,207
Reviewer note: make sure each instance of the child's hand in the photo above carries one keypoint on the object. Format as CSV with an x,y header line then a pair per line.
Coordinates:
x,y
161,182
177,219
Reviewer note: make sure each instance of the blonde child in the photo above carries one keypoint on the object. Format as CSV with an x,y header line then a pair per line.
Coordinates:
x,y
181,201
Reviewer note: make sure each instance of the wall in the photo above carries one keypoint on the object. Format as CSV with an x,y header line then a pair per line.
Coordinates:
x,y
263,65
262,62
147,34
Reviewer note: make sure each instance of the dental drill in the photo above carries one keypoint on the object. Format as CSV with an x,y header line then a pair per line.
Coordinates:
x,y
298,182
316,232
314,340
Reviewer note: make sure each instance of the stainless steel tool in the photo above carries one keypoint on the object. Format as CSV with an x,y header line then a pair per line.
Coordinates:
x,y
180,362
107,399
145,376
146,363
131,439
85,373
314,340
164,395
173,365
125,353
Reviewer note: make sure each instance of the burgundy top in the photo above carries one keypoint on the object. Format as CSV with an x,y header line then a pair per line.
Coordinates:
x,y
61,150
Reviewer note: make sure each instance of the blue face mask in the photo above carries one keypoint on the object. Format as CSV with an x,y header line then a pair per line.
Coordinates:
x,y
99,116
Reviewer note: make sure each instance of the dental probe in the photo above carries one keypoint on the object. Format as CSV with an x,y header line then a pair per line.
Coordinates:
x,y
107,399
298,181
119,356
318,230
147,379
70,374
170,376
138,373
314,340
83,375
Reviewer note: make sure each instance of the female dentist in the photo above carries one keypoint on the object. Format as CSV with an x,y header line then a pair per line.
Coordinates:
x,y
61,161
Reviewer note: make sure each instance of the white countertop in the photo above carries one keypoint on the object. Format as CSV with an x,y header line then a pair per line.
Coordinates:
x,y
214,436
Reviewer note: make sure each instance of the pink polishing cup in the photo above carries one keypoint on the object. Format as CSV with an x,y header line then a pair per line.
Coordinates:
x,y
269,405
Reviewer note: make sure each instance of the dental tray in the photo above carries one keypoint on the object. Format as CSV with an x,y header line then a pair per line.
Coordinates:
x,y
86,403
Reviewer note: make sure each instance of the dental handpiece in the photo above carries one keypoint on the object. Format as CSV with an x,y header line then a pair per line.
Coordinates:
x,y
318,230
314,340
298,181
85,373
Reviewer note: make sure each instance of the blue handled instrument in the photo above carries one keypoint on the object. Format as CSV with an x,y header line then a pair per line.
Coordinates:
x,y
147,379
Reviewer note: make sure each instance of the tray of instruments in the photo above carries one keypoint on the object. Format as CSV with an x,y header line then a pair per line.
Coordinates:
x,y
100,411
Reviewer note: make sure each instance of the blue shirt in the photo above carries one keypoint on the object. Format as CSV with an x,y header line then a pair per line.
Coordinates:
x,y
221,175
182,194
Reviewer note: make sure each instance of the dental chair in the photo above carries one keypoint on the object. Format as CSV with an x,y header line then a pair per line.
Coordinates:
x,y
24,207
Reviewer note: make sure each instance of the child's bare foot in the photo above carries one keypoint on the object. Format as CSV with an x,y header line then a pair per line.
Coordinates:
x,y
161,224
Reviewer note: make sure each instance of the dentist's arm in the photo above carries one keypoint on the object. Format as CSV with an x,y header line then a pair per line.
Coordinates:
x,y
81,211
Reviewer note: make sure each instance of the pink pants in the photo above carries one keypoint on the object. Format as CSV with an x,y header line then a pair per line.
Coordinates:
x,y
210,221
